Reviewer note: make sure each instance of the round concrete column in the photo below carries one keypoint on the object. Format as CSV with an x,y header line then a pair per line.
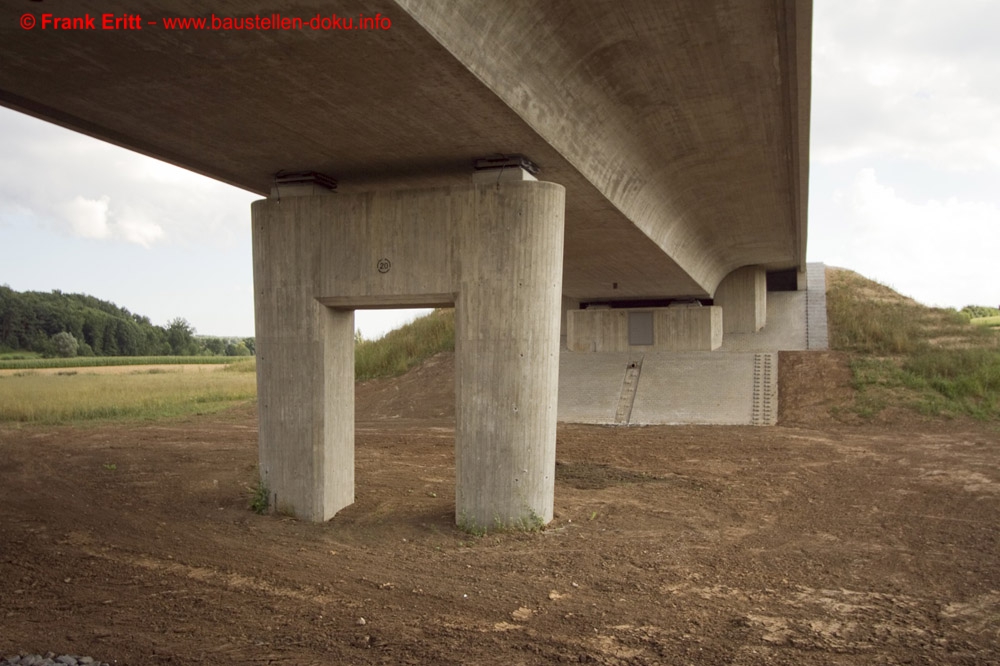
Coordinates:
x,y
510,251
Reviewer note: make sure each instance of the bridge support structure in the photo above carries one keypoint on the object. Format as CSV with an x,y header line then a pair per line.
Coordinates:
x,y
743,297
495,252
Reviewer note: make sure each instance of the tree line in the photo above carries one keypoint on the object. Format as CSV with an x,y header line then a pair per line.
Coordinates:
x,y
59,324
977,311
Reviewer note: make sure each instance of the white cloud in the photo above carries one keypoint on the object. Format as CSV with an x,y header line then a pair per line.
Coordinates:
x,y
136,227
82,187
95,219
87,218
906,145
938,252
913,79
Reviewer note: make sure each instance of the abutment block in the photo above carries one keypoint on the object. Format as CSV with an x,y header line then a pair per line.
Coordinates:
x,y
676,328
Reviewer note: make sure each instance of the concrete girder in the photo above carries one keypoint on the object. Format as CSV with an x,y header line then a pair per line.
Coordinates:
x,y
495,251
657,154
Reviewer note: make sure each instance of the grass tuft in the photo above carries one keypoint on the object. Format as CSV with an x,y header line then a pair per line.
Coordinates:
x,y
260,497
990,322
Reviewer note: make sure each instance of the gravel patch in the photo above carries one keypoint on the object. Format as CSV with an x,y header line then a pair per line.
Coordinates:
x,y
49,659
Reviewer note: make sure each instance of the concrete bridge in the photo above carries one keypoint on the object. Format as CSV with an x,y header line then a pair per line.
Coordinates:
x,y
532,163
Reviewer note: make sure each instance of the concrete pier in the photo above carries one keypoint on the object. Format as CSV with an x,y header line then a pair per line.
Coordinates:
x,y
507,352
494,251
743,297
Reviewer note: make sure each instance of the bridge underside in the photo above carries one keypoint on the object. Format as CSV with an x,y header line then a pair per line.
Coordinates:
x,y
679,130
675,134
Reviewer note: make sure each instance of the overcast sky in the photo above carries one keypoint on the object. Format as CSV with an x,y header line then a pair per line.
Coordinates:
x,y
905,181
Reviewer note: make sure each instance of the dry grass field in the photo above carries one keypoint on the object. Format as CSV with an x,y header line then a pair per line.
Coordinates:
x,y
120,392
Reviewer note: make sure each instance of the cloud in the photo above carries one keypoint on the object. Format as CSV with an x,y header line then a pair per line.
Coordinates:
x,y
135,227
87,218
913,79
937,251
95,219
68,183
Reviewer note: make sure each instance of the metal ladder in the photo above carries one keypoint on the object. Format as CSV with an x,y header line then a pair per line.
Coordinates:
x,y
629,385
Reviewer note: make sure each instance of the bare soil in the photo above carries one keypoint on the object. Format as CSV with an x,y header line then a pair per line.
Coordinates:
x,y
819,541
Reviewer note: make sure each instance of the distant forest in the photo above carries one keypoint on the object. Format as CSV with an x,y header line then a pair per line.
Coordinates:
x,y
58,324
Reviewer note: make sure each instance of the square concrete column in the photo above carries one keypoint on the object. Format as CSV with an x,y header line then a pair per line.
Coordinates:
x,y
743,297
510,251
305,369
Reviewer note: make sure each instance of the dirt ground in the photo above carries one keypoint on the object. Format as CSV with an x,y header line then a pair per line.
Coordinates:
x,y
819,541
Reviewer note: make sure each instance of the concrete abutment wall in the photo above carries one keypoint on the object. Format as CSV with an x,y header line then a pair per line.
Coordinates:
x,y
675,328
496,252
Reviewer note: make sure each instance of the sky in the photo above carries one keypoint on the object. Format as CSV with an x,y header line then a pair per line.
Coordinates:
x,y
904,182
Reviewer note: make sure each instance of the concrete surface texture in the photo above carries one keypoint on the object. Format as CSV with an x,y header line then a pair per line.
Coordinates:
x,y
707,388
679,130
676,135
796,320
682,328
713,388
735,385
590,386
785,329
743,299
495,251
817,330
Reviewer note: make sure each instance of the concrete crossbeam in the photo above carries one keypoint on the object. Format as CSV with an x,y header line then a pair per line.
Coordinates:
x,y
495,251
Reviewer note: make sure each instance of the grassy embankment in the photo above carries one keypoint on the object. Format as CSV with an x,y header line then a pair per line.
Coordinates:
x,y
76,395
405,347
903,354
